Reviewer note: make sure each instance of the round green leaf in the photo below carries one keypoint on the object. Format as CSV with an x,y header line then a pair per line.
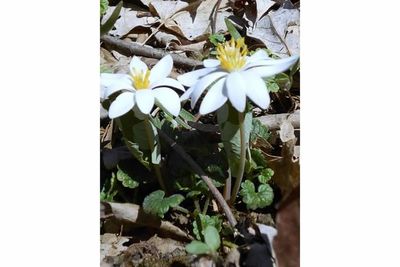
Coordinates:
x,y
211,236
197,247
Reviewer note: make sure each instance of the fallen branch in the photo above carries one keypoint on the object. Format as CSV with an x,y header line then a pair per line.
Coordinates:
x,y
217,195
130,49
132,213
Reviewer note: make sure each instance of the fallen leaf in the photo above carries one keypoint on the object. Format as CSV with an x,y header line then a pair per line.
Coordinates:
x,y
129,19
199,27
286,169
286,132
255,10
165,9
111,245
279,30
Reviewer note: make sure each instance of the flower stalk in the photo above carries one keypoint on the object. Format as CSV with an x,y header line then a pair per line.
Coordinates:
x,y
156,167
242,162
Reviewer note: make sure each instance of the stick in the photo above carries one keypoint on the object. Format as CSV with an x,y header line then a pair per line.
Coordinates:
x,y
132,213
130,49
217,195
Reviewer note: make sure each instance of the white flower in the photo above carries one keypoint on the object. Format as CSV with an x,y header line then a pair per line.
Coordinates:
x,y
234,76
143,88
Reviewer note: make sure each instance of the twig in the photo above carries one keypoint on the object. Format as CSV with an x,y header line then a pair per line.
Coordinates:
x,y
132,213
217,195
130,49
277,34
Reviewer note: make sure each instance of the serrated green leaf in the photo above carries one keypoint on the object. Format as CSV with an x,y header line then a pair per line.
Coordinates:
x,y
259,131
108,25
266,195
272,86
126,180
103,7
232,30
257,156
205,220
197,247
211,237
156,204
253,199
265,176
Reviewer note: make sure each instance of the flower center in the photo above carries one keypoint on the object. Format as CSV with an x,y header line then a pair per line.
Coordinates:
x,y
232,54
140,79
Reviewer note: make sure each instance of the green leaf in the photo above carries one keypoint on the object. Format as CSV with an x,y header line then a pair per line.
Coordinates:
x,y
232,30
257,156
216,38
211,237
109,24
126,180
186,115
230,135
253,199
156,204
265,176
205,221
103,7
197,247
265,194
259,131
272,86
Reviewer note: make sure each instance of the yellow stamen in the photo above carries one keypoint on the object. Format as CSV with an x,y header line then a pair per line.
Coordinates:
x,y
232,54
140,79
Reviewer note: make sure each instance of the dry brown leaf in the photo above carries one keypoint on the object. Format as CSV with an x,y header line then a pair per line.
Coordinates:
x,y
111,245
130,18
198,28
286,132
279,30
165,38
286,168
256,10
165,9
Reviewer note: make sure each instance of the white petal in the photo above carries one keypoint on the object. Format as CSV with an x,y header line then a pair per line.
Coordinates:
x,y
210,63
202,85
186,94
106,79
121,105
236,90
190,78
266,68
260,54
124,83
138,65
144,100
168,99
169,82
162,69
214,98
256,90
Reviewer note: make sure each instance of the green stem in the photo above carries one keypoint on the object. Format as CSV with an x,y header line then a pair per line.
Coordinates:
x,y
206,204
197,205
242,159
228,186
151,147
181,209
